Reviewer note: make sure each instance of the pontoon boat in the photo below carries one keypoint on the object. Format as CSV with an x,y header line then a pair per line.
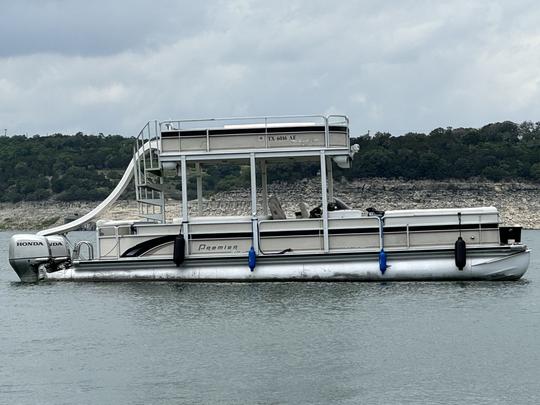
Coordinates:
x,y
330,242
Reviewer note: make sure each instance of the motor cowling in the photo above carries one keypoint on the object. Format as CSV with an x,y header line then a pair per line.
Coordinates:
x,y
27,253
58,247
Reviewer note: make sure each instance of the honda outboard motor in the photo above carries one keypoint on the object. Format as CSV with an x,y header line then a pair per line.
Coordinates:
x,y
30,253
59,248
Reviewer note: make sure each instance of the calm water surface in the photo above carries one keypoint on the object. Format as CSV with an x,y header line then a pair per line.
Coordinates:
x,y
312,343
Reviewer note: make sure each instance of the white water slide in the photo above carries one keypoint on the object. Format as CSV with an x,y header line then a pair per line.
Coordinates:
x,y
110,200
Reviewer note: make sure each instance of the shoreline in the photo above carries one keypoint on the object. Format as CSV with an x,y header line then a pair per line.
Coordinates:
x,y
518,202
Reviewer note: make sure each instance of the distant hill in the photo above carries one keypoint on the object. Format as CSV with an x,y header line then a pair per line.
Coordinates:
x,y
87,167
76,167
496,151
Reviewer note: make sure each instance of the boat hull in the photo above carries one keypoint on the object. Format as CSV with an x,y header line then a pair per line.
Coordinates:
x,y
483,264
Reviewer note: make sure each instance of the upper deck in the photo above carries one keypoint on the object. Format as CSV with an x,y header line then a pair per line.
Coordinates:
x,y
221,138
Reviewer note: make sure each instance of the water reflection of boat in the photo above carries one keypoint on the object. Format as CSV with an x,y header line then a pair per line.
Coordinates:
x,y
328,242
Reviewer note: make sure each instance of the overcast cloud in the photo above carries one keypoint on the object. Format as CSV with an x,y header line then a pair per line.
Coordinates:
x,y
397,65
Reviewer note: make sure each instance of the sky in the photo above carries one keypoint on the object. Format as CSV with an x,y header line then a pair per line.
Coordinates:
x,y
394,66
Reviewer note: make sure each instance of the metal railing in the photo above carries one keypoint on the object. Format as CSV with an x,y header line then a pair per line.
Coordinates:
x,y
150,198
149,159
77,250
259,122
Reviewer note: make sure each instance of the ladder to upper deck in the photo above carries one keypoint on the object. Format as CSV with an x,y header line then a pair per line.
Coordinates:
x,y
148,174
170,142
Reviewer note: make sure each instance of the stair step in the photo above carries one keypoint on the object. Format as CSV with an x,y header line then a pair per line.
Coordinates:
x,y
154,170
150,201
156,217
152,186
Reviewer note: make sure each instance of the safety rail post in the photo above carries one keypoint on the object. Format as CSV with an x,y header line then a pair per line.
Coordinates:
x,y
326,245
252,167
152,154
264,181
330,178
266,132
348,133
136,174
498,224
326,133
143,153
381,232
198,173
98,243
158,138
178,136
183,168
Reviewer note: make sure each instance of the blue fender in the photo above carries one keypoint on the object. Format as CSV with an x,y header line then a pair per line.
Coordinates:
x,y
382,261
252,259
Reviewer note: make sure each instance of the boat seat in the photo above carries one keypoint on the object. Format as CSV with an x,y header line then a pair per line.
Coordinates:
x,y
304,211
275,208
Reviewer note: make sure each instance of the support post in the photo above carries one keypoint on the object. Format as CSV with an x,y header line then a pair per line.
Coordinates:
x,y
254,222
324,191
136,175
330,179
183,169
158,138
162,200
185,211
381,232
199,188
264,181
326,133
98,242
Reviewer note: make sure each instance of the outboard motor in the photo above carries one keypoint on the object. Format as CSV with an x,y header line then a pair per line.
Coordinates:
x,y
29,253
59,248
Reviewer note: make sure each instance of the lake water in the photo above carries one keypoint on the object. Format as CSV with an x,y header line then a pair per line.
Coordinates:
x,y
311,343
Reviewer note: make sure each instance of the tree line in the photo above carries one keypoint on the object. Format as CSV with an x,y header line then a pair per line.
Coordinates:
x,y
87,167
495,152
68,168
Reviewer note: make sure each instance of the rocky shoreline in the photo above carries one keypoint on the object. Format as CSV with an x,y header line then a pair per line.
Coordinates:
x,y
518,202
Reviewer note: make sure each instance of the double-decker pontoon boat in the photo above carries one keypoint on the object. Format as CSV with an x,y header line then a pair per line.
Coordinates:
x,y
331,242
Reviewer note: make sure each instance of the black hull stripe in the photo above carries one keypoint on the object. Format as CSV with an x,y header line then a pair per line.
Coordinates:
x,y
145,246
441,227
387,230
349,231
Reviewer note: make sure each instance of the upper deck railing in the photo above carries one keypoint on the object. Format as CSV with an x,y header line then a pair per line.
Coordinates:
x,y
149,158
254,133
